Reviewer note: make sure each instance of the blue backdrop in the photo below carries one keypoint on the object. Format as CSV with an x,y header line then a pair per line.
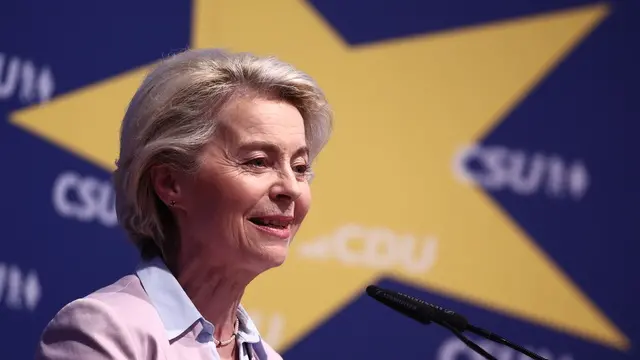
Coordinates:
x,y
523,186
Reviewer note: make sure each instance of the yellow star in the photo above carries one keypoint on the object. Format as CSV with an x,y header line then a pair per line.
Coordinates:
x,y
403,108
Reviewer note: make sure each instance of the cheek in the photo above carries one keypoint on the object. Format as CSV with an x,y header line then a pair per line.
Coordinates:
x,y
208,195
303,203
227,195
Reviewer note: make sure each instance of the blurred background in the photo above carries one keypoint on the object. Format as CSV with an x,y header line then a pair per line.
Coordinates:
x,y
484,159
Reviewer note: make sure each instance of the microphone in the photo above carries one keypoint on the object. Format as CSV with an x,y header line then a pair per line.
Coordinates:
x,y
426,313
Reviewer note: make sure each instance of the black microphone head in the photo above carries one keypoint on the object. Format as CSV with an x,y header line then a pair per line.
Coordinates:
x,y
438,314
404,306
417,309
372,290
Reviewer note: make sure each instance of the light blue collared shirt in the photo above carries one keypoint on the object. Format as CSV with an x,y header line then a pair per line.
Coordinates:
x,y
178,313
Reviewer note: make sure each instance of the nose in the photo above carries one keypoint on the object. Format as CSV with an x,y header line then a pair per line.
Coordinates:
x,y
287,188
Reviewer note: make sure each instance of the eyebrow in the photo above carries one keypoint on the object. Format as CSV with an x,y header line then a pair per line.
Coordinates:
x,y
269,147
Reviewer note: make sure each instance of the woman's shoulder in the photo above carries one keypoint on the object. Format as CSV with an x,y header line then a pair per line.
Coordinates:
x,y
125,295
124,300
114,322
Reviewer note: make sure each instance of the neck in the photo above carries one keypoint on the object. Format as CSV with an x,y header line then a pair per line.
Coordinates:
x,y
215,289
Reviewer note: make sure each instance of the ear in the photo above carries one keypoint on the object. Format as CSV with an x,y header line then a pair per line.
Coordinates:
x,y
165,182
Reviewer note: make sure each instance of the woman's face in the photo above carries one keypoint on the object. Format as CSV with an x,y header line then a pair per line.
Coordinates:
x,y
251,193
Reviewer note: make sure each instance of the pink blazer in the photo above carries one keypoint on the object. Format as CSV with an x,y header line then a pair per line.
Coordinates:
x,y
120,322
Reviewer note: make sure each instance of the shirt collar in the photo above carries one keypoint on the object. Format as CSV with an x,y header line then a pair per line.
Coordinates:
x,y
176,310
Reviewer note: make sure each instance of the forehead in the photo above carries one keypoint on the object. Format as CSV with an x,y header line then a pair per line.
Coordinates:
x,y
261,119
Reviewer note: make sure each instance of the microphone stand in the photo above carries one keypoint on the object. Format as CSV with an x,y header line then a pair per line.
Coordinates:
x,y
489,336
426,313
473,346
500,340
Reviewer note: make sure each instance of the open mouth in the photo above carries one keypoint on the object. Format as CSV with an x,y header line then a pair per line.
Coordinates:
x,y
272,223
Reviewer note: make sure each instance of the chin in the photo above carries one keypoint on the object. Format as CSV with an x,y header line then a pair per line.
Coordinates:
x,y
278,254
271,246
273,255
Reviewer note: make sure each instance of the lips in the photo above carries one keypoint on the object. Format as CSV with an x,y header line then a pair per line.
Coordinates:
x,y
278,226
278,223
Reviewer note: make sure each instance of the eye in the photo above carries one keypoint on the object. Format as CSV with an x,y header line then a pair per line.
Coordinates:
x,y
257,162
301,169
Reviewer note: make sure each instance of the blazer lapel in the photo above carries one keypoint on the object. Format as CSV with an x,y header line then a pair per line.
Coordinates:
x,y
257,352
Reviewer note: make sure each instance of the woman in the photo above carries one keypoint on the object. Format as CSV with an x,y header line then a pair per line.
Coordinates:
x,y
211,185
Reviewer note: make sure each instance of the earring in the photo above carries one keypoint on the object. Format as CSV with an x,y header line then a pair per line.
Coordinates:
x,y
172,203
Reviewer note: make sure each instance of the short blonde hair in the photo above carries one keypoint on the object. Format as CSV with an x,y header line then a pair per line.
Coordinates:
x,y
173,115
